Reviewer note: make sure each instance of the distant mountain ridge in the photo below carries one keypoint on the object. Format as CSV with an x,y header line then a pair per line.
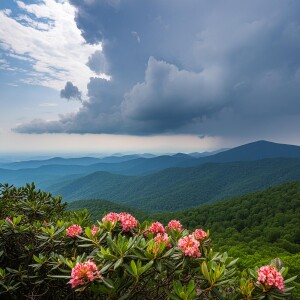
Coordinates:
x,y
58,173
258,150
249,152
178,188
78,161
49,174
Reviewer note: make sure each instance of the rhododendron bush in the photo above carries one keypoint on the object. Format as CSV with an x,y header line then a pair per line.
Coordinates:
x,y
47,253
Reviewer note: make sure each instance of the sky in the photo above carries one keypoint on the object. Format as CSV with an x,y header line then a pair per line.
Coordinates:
x,y
106,76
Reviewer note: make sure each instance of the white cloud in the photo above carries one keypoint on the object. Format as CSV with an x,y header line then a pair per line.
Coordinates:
x,y
53,45
48,104
34,24
20,57
11,84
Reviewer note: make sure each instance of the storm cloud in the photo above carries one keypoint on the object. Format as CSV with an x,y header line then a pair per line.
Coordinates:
x,y
97,62
70,91
200,67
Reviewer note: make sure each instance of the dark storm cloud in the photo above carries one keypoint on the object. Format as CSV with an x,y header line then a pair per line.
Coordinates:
x,y
97,62
70,92
203,67
170,98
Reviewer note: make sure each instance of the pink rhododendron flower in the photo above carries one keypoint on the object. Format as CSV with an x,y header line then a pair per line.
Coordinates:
x,y
199,234
95,229
74,230
190,246
162,238
8,220
84,272
127,221
112,217
157,227
269,276
175,225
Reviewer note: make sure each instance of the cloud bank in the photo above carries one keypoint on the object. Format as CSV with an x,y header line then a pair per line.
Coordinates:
x,y
200,67
45,43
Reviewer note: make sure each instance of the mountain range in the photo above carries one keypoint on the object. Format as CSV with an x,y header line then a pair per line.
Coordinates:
x,y
162,183
180,188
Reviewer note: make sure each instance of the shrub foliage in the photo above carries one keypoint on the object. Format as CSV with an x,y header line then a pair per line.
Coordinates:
x,y
48,253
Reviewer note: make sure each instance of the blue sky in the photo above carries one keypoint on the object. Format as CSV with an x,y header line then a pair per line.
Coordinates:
x,y
147,76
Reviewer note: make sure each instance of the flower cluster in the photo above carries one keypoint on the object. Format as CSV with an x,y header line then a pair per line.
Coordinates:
x,y
190,246
111,217
162,238
74,230
175,225
200,234
84,272
127,220
157,227
269,276
8,220
95,230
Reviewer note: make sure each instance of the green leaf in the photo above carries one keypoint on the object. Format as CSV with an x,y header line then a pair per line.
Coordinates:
x,y
106,267
88,232
108,282
129,270
36,258
118,263
169,253
158,266
173,297
191,286
85,245
59,276
84,238
205,271
290,279
177,286
146,267
284,271
233,262
133,267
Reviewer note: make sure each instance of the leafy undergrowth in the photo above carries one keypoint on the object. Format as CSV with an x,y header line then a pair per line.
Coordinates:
x,y
48,253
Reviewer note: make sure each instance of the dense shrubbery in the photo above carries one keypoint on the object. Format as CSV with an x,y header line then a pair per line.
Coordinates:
x,y
47,253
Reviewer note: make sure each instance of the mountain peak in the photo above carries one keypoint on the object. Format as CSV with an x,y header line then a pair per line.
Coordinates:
x,y
257,150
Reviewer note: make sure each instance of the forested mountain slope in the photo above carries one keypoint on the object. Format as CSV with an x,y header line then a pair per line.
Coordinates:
x,y
180,188
272,215
254,227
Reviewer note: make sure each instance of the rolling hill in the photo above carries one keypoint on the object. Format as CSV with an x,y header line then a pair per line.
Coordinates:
x,y
179,188
271,216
